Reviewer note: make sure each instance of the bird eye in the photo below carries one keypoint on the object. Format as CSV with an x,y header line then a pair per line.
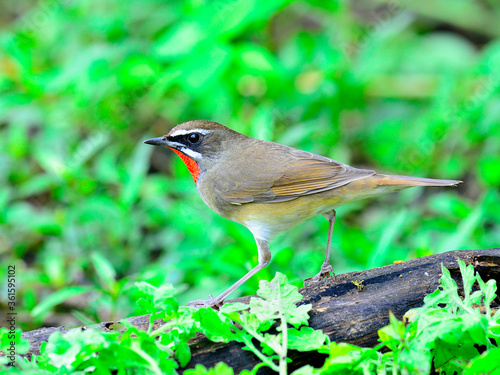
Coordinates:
x,y
194,138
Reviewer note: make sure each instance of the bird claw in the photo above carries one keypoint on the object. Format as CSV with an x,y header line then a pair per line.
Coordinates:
x,y
325,273
211,302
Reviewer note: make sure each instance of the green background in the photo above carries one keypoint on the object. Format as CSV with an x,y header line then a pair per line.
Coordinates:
x,y
86,209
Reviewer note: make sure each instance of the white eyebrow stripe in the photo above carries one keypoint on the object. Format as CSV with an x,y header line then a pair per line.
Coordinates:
x,y
192,154
184,132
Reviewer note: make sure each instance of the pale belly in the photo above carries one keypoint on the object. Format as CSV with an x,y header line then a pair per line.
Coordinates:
x,y
266,220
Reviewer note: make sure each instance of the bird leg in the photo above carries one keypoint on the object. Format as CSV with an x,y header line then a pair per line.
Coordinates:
x,y
326,267
264,258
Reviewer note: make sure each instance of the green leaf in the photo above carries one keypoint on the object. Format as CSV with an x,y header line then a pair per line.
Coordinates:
x,y
486,363
179,40
157,301
468,279
489,290
216,327
446,353
307,339
134,178
200,76
229,308
447,295
279,297
489,170
104,270
343,357
271,343
69,350
235,311
198,370
392,334
183,353
257,59
414,359
220,369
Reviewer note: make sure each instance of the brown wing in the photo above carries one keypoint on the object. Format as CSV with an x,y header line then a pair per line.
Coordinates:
x,y
290,173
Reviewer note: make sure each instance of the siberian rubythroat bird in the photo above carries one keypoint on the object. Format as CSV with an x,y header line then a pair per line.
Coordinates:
x,y
269,187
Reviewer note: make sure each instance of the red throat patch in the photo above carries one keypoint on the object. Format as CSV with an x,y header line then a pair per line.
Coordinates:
x,y
191,165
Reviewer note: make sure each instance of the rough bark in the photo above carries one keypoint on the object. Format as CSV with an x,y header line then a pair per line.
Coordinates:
x,y
342,310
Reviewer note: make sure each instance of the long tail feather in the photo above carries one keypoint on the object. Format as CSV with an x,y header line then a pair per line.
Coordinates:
x,y
395,180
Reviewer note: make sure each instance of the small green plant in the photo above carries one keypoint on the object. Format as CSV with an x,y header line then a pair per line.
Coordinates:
x,y
164,350
276,306
448,335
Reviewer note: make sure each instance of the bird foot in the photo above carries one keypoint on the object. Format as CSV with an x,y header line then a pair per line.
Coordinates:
x,y
325,273
211,302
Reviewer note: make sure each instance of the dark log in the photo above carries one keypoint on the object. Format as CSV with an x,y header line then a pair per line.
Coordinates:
x,y
342,310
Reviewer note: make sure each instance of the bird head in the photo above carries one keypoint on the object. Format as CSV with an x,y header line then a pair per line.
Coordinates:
x,y
199,143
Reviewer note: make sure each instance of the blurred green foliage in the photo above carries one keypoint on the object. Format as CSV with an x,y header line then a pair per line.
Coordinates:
x,y
86,209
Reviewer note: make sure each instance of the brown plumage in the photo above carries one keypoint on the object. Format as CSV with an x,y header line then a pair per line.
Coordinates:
x,y
269,187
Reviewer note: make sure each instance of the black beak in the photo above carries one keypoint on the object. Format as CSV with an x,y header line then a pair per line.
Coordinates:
x,y
159,141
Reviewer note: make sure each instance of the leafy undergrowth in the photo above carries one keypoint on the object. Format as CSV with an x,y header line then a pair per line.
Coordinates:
x,y
448,335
